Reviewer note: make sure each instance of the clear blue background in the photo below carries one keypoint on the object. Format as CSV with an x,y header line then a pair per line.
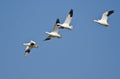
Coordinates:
x,y
89,51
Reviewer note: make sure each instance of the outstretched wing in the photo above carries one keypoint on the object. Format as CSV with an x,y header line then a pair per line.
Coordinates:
x,y
26,44
55,29
69,17
106,14
27,51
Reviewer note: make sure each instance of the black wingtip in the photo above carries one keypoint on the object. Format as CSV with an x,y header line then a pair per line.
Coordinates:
x,y
57,21
26,53
71,13
61,28
110,12
27,50
47,39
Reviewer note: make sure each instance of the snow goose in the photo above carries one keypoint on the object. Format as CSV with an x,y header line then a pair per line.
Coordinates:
x,y
29,46
104,18
54,33
67,21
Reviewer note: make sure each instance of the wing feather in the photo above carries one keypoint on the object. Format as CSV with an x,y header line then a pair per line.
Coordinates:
x,y
106,14
69,17
55,29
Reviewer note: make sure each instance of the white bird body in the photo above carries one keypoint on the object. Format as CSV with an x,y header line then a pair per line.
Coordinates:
x,y
54,33
29,46
103,20
66,25
67,21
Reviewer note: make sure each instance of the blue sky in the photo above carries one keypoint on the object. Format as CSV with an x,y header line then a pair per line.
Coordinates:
x,y
89,51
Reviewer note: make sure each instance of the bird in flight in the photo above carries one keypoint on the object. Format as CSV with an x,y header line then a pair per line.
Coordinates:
x,y
67,21
103,20
29,46
55,31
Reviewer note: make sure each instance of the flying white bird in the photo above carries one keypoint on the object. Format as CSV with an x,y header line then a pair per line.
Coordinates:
x,y
29,46
103,20
54,33
67,21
